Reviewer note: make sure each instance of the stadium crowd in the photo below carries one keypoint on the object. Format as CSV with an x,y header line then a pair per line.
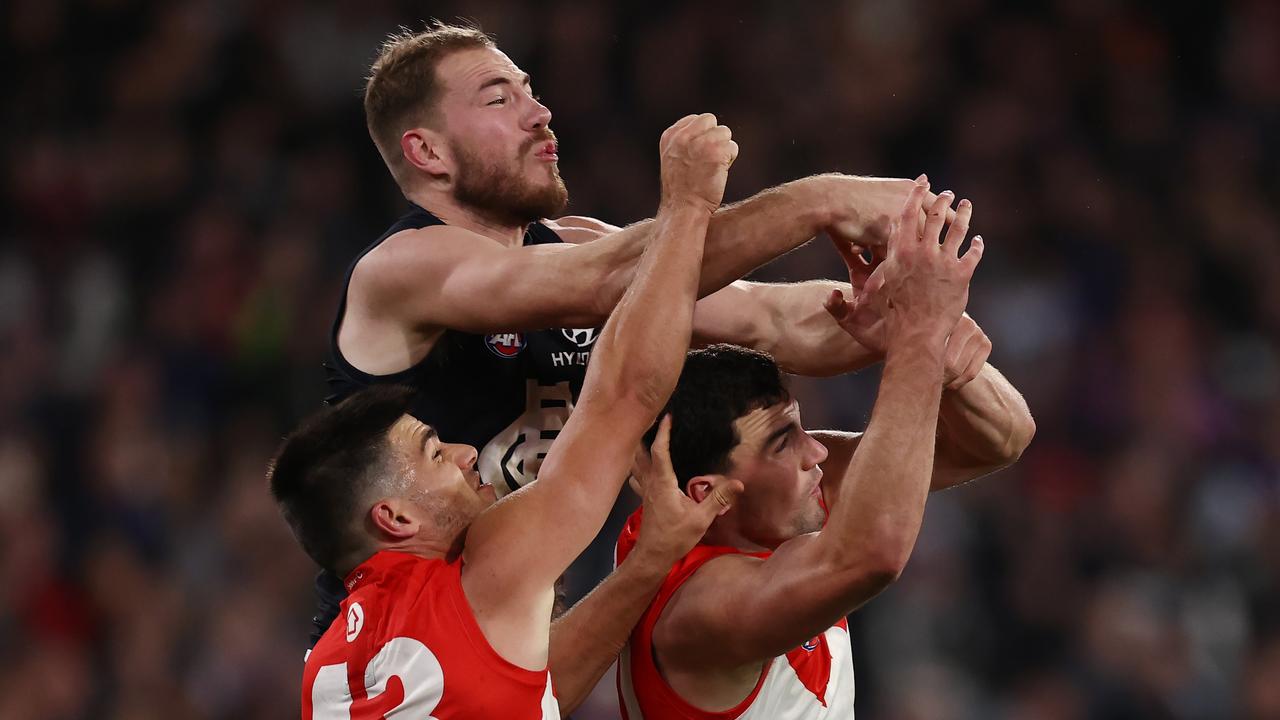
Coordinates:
x,y
185,182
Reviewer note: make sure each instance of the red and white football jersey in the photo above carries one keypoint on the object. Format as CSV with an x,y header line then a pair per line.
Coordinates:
x,y
811,682
408,646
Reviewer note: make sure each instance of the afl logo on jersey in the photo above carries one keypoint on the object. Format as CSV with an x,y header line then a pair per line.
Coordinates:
x,y
355,621
811,645
505,345
582,337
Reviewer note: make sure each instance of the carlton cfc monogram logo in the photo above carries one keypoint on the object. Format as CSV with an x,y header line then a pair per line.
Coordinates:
x,y
505,345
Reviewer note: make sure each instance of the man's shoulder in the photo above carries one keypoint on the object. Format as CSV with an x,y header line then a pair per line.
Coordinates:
x,y
710,565
410,256
422,242
696,585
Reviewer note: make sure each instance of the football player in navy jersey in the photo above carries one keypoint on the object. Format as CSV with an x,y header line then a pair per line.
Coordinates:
x,y
450,608
487,307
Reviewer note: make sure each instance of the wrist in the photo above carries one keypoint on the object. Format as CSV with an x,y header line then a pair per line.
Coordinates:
x,y
824,200
685,207
922,345
647,564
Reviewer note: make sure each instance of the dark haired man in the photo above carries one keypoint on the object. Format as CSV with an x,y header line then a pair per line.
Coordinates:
x,y
490,310
449,606
750,624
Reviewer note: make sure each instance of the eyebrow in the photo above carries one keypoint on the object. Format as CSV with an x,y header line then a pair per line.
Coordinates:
x,y
776,434
501,80
426,437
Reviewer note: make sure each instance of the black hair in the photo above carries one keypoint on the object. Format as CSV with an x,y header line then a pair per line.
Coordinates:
x,y
325,466
718,385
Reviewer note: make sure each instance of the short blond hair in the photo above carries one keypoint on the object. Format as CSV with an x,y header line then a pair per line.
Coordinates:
x,y
403,89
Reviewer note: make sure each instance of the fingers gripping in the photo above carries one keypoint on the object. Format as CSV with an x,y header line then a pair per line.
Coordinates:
x,y
937,216
959,228
909,221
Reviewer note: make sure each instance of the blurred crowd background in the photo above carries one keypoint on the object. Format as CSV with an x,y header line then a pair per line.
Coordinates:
x,y
185,181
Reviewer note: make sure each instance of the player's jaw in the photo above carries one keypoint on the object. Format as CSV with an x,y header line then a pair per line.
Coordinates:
x,y
512,189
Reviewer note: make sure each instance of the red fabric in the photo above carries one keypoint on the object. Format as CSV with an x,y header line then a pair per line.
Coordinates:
x,y
657,699
812,663
407,639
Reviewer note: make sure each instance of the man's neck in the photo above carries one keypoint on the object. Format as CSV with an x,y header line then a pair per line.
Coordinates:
x,y
722,535
443,206
423,548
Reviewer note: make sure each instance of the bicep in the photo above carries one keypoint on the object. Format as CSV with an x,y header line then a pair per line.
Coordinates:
x,y
457,279
733,314
739,610
951,465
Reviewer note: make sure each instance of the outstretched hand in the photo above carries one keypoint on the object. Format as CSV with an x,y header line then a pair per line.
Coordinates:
x,y
673,521
921,272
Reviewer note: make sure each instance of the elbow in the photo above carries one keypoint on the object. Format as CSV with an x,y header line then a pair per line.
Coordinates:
x,y
605,290
886,563
872,571
756,328
1020,437
643,388
649,391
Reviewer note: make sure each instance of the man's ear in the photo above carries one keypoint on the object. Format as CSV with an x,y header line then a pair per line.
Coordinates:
x,y
395,519
701,486
427,151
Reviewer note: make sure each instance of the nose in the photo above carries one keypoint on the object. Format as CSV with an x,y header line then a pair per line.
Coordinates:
x,y
539,116
464,456
815,453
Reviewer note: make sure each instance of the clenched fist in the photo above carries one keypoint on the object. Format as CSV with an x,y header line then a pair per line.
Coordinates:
x,y
696,154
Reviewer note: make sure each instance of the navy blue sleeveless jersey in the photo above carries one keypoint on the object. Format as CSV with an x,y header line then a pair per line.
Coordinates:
x,y
508,394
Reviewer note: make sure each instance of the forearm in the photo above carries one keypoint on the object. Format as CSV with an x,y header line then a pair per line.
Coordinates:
x,y
587,639
883,493
788,321
642,346
747,234
982,427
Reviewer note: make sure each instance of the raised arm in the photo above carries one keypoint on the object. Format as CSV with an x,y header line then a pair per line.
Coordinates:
x,y
785,320
983,421
445,276
749,610
517,548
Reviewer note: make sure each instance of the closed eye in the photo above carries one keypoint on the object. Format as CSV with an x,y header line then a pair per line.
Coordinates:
x,y
778,438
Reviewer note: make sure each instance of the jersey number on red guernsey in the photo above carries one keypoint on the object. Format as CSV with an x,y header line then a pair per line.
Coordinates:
x,y
403,680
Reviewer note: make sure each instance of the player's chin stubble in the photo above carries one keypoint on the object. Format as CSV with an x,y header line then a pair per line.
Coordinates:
x,y
503,193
